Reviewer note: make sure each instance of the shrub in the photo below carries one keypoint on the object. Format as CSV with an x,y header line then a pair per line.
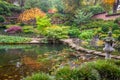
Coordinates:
x,y
14,29
58,15
109,25
92,24
64,74
74,32
12,21
82,17
116,31
2,19
4,8
22,24
117,20
88,73
96,9
83,73
31,14
116,62
43,23
105,28
115,26
119,38
107,70
87,34
28,29
56,32
39,76
14,8
58,18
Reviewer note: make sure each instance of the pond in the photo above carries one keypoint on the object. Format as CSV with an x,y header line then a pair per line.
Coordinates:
x,y
18,61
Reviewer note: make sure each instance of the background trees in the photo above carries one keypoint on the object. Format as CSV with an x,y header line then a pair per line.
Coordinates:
x,y
71,5
42,4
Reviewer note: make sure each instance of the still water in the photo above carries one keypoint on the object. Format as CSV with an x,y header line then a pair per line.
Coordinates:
x,y
19,61
15,59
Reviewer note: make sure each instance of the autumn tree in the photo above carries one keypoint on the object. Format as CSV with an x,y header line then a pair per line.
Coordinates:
x,y
31,14
112,4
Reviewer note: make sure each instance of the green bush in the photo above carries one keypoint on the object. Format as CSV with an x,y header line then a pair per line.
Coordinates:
x,y
86,34
115,26
4,8
109,25
28,29
105,28
118,38
107,70
92,24
14,8
116,62
83,73
2,19
82,17
117,20
42,23
58,15
22,24
74,32
39,76
65,73
88,73
12,21
116,31
56,32
7,8
96,9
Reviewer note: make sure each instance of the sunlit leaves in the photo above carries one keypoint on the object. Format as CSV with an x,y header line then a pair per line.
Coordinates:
x,y
109,1
31,14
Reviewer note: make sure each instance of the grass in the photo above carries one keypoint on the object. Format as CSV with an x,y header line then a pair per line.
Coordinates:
x,y
13,39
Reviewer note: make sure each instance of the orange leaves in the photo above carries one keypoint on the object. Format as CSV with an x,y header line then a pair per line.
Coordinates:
x,y
31,63
109,2
31,14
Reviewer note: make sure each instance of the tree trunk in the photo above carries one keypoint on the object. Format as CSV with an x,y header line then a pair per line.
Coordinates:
x,y
115,5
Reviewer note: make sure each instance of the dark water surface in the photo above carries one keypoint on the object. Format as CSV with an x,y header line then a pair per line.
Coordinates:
x,y
15,60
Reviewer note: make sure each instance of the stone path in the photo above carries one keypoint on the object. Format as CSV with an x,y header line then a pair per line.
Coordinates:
x,y
36,40
70,43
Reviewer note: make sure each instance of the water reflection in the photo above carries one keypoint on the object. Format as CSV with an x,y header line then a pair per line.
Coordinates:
x,y
17,61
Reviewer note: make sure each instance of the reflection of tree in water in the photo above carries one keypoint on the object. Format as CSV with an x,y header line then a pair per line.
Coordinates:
x,y
27,66
26,55
35,65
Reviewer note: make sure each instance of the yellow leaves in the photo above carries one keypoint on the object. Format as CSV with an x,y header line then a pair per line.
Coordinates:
x,y
109,2
84,43
31,14
99,43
